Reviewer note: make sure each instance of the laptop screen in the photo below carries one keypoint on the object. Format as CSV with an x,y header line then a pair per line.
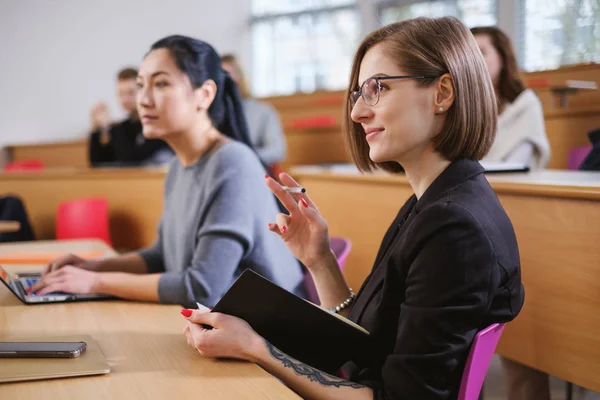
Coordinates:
x,y
9,283
5,276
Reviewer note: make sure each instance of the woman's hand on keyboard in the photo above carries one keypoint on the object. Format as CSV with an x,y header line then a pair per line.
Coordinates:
x,y
68,259
68,280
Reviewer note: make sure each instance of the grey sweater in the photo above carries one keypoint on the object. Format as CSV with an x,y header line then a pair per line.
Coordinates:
x,y
214,226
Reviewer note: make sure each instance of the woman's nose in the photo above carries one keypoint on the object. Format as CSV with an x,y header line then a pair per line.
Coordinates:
x,y
361,111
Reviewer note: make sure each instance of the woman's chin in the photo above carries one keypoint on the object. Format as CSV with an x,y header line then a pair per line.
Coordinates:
x,y
153,133
376,156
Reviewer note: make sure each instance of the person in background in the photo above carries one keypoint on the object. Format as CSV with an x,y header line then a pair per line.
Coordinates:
x,y
521,138
216,207
521,135
264,125
419,97
123,143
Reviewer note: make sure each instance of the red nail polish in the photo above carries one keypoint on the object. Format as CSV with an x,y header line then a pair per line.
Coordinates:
x,y
304,203
186,313
266,176
284,229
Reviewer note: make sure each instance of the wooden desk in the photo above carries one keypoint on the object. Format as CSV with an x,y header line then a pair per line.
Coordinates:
x,y
555,215
135,198
9,226
58,154
143,343
567,130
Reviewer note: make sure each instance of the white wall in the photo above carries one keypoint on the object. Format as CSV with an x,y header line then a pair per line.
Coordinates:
x,y
58,57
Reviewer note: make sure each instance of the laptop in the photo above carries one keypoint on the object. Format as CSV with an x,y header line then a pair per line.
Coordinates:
x,y
19,285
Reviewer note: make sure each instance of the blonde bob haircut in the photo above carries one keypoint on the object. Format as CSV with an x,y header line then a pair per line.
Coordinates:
x,y
433,46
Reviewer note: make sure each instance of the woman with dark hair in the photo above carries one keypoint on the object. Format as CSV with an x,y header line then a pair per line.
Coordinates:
x,y
521,135
420,98
216,208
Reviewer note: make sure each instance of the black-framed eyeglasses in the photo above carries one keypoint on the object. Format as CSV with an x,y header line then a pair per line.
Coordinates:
x,y
371,88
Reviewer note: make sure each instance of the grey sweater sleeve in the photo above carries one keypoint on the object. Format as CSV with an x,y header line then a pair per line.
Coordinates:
x,y
224,236
153,256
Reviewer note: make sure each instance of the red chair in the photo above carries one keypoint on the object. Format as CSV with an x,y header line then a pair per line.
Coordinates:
x,y
318,122
341,248
24,165
83,219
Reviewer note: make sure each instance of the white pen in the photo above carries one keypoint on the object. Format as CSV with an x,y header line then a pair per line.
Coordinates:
x,y
296,189
202,308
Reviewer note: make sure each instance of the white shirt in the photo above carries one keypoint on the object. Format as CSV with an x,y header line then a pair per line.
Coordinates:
x,y
521,135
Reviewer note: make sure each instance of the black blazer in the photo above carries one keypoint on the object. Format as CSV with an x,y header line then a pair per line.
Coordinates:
x,y
127,145
448,267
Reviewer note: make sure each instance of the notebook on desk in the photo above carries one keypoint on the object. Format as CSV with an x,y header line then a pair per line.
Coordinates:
x,y
295,326
492,167
91,362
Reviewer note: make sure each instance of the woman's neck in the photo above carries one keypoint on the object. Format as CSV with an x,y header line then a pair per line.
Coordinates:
x,y
421,171
190,145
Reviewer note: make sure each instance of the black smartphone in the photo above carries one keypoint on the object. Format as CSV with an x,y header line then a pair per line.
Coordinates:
x,y
41,349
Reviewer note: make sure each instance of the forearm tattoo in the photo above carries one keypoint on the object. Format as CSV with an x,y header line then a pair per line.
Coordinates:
x,y
313,374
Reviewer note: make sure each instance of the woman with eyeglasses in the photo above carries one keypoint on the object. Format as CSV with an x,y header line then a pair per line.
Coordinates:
x,y
421,98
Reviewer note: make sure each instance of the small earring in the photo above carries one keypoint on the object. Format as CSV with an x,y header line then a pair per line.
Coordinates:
x,y
198,109
441,109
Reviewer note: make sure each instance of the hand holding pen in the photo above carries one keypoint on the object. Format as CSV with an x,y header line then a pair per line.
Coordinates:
x,y
304,230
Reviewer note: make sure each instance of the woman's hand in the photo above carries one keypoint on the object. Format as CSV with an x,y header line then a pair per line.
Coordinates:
x,y
304,231
68,279
66,260
230,337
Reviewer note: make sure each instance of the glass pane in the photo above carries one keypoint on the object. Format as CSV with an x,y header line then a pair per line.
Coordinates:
x,y
470,12
304,53
559,32
261,7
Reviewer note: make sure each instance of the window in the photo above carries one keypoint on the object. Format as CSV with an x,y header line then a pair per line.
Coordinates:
x,y
559,32
302,45
470,12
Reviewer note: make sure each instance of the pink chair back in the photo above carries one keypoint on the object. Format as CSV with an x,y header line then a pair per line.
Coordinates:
x,y
341,248
83,219
576,156
478,362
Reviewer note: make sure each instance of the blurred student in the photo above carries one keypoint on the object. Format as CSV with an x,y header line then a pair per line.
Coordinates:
x,y
216,206
521,138
123,143
264,125
521,135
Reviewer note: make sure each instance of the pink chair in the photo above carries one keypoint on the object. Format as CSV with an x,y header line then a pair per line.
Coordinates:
x,y
83,219
341,248
478,362
577,155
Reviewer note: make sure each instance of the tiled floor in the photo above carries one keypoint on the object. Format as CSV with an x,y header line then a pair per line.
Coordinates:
x,y
494,386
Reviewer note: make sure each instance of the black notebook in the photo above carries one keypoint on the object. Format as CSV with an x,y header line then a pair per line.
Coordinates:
x,y
295,326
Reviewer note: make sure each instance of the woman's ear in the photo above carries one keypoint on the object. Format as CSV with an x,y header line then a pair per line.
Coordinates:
x,y
445,94
205,94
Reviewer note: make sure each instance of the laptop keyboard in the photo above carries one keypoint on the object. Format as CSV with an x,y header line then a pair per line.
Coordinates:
x,y
27,282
